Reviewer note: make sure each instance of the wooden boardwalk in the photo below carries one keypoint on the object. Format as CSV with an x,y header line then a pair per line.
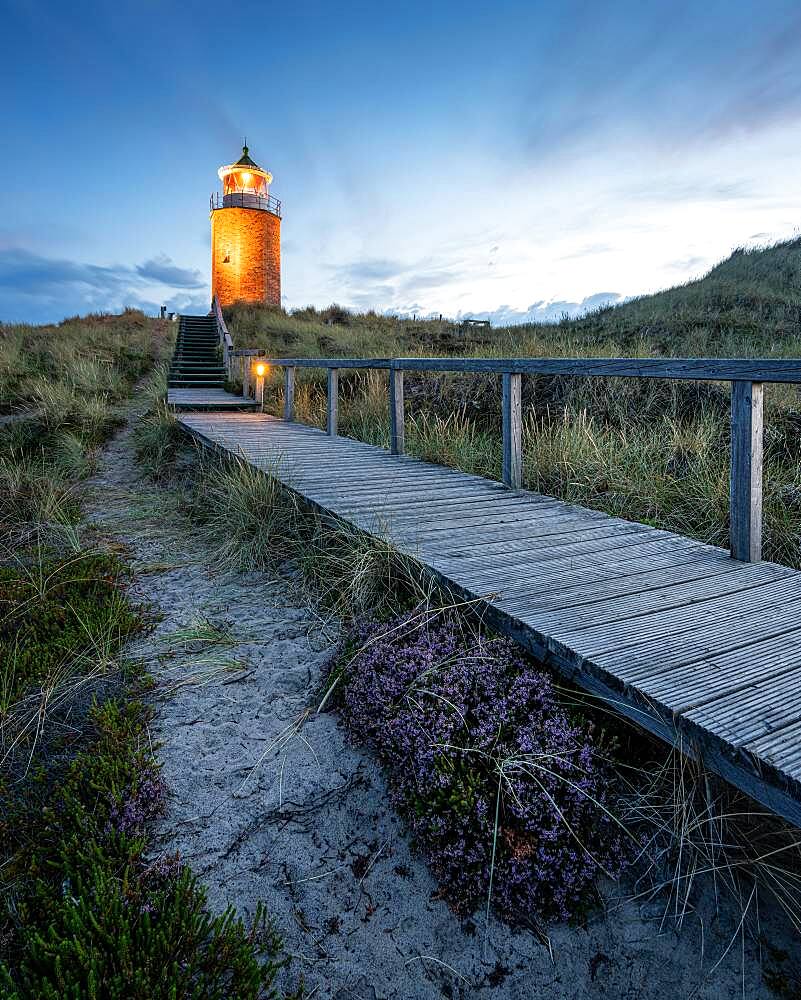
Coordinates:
x,y
699,648
180,398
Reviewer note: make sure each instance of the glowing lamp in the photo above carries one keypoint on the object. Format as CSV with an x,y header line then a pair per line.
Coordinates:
x,y
245,176
261,368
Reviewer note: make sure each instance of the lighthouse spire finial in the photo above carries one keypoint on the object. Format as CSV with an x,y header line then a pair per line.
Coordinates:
x,y
245,147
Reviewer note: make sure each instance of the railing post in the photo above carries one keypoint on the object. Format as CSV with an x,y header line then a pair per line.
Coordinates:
x,y
246,376
745,512
397,440
333,401
512,431
289,393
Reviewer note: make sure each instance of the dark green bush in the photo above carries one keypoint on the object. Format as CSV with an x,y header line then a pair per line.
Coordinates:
x,y
90,917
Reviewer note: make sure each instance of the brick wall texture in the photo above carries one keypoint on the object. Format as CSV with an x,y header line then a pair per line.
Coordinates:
x,y
250,239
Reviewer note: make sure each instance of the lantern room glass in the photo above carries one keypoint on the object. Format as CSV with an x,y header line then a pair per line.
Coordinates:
x,y
247,181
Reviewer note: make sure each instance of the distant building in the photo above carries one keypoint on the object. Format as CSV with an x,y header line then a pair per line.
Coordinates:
x,y
245,235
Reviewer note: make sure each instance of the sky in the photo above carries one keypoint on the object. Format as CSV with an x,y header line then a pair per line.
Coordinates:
x,y
514,160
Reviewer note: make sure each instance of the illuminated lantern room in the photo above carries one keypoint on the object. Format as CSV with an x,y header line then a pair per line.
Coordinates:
x,y
245,235
245,177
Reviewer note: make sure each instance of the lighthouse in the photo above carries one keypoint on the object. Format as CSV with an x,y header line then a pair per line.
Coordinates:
x,y
245,235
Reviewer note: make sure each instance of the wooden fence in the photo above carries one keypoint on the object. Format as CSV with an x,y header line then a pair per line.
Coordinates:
x,y
746,375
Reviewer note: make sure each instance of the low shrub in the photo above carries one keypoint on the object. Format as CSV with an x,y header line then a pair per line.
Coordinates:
x,y
505,792
91,917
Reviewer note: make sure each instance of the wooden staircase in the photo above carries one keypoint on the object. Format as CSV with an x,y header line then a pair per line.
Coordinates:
x,y
197,374
196,363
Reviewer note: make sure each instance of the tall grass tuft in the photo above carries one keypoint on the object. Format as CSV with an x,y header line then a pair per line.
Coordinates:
x,y
157,440
701,832
38,501
252,521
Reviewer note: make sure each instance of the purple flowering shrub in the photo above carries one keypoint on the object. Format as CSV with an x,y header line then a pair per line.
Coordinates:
x,y
500,785
144,799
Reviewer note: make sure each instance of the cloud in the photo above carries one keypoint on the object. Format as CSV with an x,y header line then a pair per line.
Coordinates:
x,y
587,251
372,298
162,270
40,289
686,264
369,270
546,312
662,188
373,282
432,277
599,301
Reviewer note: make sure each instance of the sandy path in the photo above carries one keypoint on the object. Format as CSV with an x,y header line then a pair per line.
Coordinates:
x,y
263,810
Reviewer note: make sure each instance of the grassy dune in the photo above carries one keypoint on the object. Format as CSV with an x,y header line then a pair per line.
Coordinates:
x,y
82,912
649,450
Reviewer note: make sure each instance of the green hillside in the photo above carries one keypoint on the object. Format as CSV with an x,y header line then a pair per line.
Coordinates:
x,y
749,304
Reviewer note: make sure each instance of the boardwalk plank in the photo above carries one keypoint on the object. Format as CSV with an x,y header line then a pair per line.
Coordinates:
x,y
673,596
703,681
774,594
751,713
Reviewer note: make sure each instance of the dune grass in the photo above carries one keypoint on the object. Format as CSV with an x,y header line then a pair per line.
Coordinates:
x,y
252,521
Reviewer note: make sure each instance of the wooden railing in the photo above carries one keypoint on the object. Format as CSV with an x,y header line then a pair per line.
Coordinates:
x,y
747,377
245,199
226,340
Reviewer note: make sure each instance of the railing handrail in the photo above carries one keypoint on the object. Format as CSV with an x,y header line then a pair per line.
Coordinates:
x,y
706,369
746,375
271,203
226,340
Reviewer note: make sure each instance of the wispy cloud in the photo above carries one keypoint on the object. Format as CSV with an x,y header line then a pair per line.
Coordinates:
x,y
671,73
162,270
369,270
664,188
378,283
36,288
691,264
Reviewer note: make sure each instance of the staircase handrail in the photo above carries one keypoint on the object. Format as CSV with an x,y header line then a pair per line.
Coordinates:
x,y
226,341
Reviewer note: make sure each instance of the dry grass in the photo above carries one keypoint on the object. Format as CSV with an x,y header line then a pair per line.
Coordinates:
x,y
66,382
252,521
702,835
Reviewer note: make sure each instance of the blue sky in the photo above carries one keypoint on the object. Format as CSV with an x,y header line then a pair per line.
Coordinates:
x,y
514,159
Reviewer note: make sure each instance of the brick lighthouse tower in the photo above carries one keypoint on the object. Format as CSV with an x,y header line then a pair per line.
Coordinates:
x,y
245,235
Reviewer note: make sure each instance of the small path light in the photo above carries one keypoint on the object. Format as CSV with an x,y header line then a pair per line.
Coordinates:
x,y
261,369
